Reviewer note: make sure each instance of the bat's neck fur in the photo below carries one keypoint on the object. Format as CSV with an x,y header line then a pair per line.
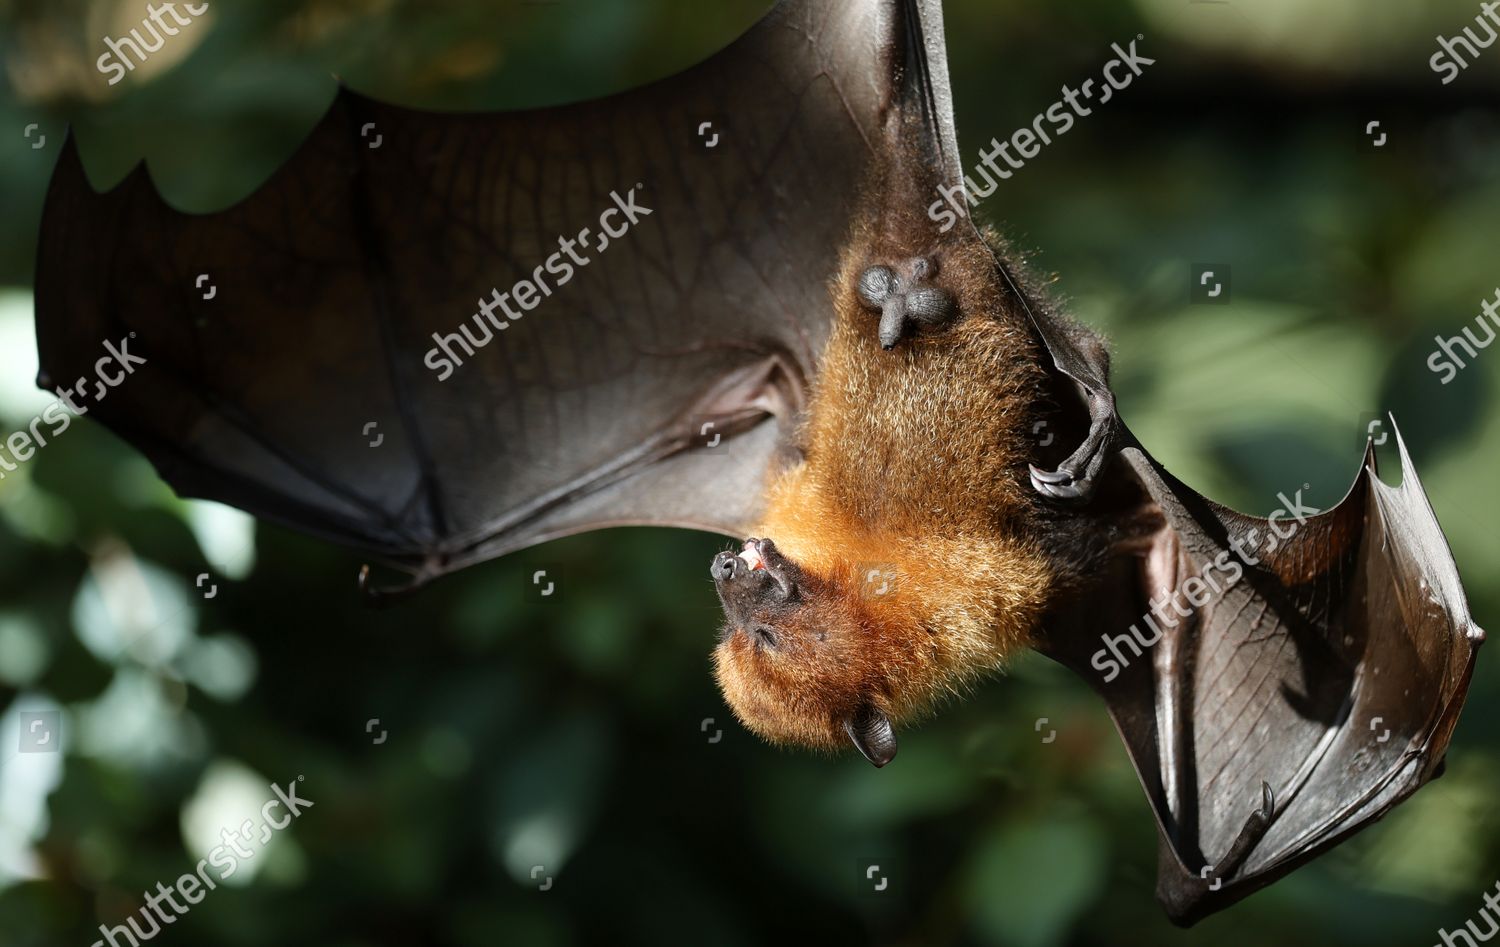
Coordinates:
x,y
910,496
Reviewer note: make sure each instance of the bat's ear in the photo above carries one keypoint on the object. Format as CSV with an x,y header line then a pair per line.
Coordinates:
x,y
872,734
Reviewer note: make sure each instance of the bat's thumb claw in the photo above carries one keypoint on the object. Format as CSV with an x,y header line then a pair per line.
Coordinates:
x,y
1268,800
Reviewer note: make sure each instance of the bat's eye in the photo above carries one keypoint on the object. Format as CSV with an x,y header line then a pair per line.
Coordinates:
x,y
763,636
876,284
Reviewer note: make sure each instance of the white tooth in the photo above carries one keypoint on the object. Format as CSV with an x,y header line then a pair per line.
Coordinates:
x,y
751,556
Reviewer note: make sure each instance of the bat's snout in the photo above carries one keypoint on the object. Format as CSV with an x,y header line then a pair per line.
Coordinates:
x,y
755,576
727,567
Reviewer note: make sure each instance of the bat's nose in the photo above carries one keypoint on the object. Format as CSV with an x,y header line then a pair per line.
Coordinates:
x,y
726,566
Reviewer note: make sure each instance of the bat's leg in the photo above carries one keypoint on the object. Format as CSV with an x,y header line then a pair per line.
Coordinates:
x,y
1173,661
1189,895
1250,835
1076,477
904,296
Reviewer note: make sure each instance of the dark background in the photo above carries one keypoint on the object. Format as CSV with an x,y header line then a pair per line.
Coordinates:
x,y
574,734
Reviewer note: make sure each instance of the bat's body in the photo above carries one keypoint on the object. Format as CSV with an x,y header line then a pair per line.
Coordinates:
x,y
927,457
924,556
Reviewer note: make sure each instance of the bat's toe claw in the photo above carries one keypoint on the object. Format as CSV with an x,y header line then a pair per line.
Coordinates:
x,y
1060,484
1076,477
1050,476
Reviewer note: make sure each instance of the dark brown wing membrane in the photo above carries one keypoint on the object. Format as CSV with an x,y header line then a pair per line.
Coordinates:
x,y
1310,684
700,326
1294,705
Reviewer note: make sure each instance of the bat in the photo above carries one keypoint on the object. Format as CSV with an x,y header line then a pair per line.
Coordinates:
x,y
735,300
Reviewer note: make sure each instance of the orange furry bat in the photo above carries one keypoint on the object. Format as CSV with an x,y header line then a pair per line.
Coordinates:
x,y
914,466
728,304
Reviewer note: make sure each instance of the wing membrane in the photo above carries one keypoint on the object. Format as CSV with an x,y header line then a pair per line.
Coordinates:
x,y
330,282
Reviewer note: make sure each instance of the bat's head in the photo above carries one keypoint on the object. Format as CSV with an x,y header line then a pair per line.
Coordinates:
x,y
797,656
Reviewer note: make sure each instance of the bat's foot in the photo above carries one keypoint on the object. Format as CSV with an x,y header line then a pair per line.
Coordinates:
x,y
1076,477
905,298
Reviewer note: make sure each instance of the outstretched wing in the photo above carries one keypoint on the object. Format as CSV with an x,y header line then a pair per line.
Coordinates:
x,y
706,212
1283,682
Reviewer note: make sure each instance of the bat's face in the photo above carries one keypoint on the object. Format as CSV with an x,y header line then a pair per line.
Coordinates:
x,y
793,659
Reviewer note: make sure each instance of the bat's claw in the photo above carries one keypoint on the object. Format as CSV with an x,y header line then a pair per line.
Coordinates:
x,y
1250,835
1050,476
1060,484
1076,477
378,597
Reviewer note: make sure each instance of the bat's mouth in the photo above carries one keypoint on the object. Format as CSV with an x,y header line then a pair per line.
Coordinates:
x,y
756,575
751,554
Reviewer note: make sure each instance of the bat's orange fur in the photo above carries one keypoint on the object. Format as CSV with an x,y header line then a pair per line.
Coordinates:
x,y
914,462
